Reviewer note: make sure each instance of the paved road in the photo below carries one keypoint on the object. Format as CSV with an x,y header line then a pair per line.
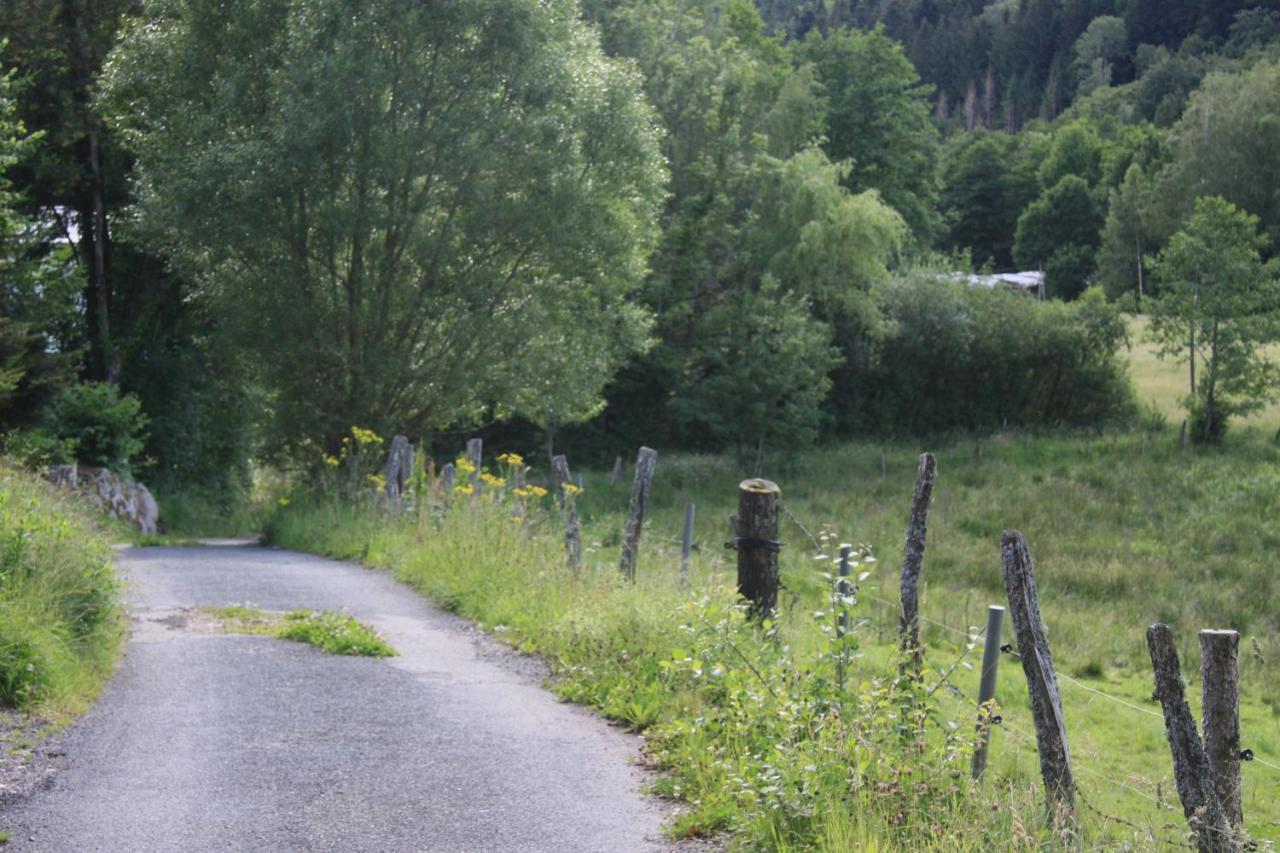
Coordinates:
x,y
207,741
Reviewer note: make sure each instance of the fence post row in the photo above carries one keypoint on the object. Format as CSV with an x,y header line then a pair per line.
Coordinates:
x,y
1042,681
646,461
1191,772
572,533
1220,677
987,687
913,558
756,540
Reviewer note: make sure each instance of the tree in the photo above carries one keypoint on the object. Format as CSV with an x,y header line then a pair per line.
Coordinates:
x,y
1127,237
878,118
1218,306
1096,52
1059,231
415,201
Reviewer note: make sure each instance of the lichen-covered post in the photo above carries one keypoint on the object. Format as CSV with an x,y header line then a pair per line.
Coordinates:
x,y
399,471
913,558
1220,677
475,455
1042,680
572,532
646,461
448,474
756,540
1191,772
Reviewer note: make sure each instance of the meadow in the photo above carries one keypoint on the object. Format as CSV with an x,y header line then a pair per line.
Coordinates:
x,y
1126,529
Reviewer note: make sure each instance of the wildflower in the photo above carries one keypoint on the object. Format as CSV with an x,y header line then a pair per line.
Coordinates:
x,y
331,461
492,480
570,489
283,501
464,466
365,436
511,458
378,480
520,493
464,490
537,491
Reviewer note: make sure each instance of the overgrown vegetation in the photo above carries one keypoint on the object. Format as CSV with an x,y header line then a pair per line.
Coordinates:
x,y
60,615
335,633
755,732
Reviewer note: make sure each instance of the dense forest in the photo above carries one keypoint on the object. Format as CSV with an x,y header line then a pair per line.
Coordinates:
x,y
232,231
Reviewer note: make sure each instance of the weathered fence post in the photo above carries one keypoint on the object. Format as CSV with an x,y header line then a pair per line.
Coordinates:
x,y
913,559
1191,771
756,540
1220,677
646,461
616,474
987,687
686,544
559,476
447,476
475,455
572,533
1042,680
399,471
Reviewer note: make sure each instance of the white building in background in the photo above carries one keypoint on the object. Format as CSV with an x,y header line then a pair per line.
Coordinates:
x,y
1025,282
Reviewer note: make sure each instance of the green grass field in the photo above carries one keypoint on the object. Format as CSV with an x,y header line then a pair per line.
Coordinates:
x,y
1163,382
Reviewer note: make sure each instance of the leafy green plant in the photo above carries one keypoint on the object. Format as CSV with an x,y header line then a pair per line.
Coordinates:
x,y
107,428
335,633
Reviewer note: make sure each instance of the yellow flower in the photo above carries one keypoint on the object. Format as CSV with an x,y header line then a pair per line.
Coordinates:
x,y
511,458
496,482
517,519
378,480
464,490
571,489
520,493
331,461
464,466
537,491
365,436
283,502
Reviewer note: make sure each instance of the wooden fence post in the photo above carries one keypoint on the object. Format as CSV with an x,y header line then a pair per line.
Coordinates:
x,y
1191,771
913,558
1220,677
475,454
686,544
1042,680
572,532
987,687
646,461
447,476
399,471
756,540
616,474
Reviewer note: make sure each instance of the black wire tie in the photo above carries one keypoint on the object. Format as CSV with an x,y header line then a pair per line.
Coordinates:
x,y
1246,755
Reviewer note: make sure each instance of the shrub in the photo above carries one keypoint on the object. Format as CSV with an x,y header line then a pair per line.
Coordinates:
x,y
107,428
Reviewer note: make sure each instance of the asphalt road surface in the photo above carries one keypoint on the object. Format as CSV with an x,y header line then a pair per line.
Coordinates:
x,y
209,741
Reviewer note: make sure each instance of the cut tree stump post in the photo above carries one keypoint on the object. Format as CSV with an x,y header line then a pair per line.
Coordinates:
x,y
913,559
686,544
1220,677
475,454
646,461
1042,680
1191,770
756,540
987,687
572,532
399,471
448,474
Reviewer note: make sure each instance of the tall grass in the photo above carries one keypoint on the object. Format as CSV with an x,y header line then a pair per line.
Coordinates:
x,y
60,615
753,732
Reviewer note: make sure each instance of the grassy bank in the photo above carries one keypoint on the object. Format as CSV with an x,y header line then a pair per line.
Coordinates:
x,y
60,616
759,738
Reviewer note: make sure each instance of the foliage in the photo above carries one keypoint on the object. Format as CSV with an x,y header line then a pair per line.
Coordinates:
x,y
1218,305
420,242
335,633
988,179
878,120
106,428
60,615
1060,230
958,356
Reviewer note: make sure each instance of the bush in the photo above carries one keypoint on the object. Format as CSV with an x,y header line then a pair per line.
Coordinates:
x,y
59,598
108,429
968,357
